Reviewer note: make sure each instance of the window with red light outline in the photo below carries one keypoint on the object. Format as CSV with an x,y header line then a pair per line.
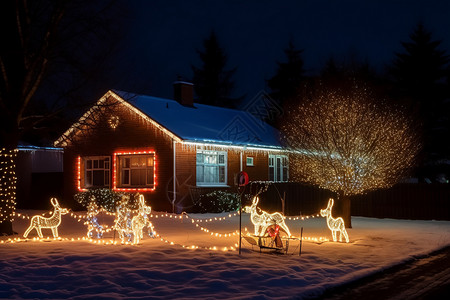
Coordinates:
x,y
133,189
115,170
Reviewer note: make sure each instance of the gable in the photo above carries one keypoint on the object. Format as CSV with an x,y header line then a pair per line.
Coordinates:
x,y
198,124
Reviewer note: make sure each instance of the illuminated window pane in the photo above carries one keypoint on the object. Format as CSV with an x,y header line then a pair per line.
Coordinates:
x,y
126,177
150,176
211,167
88,178
137,170
278,168
97,172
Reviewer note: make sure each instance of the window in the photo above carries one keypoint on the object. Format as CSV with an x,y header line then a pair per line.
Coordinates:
x,y
136,170
278,168
211,168
96,171
249,161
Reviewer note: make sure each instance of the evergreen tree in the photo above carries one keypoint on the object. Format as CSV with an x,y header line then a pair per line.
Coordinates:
x,y
419,75
350,68
289,76
212,82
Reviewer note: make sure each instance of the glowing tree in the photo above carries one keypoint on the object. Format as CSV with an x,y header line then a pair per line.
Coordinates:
x,y
345,140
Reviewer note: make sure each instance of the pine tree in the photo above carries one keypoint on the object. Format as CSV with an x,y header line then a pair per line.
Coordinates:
x,y
287,80
213,83
421,68
419,75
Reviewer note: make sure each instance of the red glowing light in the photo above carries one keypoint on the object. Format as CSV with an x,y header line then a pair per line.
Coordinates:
x,y
79,175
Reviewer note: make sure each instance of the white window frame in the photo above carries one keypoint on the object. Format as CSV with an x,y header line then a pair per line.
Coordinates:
x,y
217,164
149,180
249,161
106,171
279,165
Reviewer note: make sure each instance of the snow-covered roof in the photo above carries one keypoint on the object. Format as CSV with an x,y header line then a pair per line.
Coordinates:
x,y
205,123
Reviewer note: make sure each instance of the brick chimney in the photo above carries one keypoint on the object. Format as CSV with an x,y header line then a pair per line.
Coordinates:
x,y
183,92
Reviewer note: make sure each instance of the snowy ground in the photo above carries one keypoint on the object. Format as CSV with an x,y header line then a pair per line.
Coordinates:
x,y
156,269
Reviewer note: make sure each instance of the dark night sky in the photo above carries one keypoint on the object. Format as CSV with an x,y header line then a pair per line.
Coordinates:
x,y
162,36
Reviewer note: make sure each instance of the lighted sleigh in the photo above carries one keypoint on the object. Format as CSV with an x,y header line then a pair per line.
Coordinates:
x,y
271,232
275,240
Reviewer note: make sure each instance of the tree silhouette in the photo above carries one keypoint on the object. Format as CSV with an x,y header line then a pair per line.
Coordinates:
x,y
347,69
348,141
419,74
212,82
46,45
286,82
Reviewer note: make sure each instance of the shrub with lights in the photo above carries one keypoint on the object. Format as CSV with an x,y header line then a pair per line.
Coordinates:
x,y
107,199
217,202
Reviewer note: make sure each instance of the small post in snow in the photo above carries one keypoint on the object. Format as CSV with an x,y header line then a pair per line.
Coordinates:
x,y
301,240
242,181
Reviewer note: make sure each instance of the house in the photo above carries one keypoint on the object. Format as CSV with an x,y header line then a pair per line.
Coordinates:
x,y
169,150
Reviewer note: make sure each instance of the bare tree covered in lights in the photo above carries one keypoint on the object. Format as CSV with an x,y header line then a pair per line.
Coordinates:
x,y
347,141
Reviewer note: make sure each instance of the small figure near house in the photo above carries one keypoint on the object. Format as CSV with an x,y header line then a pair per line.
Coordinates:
x,y
334,225
122,223
39,222
141,220
92,221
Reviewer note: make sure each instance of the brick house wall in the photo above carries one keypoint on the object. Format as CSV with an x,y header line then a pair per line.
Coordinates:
x,y
132,133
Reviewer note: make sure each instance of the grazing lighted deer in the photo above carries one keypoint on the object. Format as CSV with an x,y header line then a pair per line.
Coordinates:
x,y
39,222
334,224
264,220
140,220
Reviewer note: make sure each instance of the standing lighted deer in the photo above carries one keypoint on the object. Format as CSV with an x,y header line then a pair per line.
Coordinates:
x,y
39,222
334,225
140,220
122,223
263,220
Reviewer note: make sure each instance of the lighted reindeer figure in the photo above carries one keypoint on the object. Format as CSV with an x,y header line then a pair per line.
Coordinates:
x,y
39,222
263,220
140,220
122,223
334,225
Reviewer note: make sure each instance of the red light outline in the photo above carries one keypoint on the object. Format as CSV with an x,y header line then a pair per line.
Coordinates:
x,y
115,188
79,175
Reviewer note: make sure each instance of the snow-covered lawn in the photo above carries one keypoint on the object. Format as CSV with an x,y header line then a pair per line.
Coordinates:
x,y
156,269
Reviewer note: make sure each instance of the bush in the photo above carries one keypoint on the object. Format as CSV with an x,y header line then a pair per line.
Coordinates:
x,y
106,198
217,202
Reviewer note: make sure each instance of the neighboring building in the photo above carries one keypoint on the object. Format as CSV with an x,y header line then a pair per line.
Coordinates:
x,y
170,150
39,173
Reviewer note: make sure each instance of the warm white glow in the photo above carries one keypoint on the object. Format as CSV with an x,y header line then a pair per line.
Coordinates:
x,y
348,141
92,221
263,220
122,222
64,140
39,222
8,182
140,221
334,225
